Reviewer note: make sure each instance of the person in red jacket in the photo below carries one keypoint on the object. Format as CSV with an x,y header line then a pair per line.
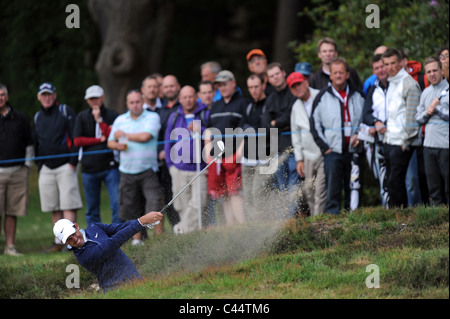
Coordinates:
x,y
414,68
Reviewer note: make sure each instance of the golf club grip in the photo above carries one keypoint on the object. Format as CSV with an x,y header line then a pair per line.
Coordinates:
x,y
150,226
164,209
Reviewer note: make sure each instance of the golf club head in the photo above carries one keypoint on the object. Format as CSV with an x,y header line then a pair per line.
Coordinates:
x,y
151,226
221,146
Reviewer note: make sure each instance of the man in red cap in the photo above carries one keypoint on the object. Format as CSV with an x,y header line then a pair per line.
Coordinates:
x,y
307,154
257,64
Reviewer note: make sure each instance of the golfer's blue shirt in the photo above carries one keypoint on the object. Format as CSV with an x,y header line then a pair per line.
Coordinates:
x,y
102,256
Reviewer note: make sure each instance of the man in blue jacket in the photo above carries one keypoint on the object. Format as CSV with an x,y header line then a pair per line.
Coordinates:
x,y
97,248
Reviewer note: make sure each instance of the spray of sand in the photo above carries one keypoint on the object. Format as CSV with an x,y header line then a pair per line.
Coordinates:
x,y
223,244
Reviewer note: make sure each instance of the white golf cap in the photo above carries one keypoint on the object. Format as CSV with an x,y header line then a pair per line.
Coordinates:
x,y
94,91
224,76
63,229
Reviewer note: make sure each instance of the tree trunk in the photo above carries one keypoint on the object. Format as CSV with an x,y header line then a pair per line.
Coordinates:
x,y
286,30
134,37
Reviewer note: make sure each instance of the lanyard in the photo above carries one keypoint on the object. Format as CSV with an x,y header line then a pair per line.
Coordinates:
x,y
347,119
344,101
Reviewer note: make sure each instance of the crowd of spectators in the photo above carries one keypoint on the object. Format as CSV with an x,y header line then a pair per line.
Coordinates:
x,y
329,126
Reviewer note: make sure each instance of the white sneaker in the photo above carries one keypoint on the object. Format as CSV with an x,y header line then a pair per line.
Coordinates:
x,y
177,230
12,251
137,242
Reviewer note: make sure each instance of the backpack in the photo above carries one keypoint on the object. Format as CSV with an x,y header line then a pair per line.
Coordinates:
x,y
62,110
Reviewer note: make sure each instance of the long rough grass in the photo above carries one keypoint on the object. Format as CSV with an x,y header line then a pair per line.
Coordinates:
x,y
322,257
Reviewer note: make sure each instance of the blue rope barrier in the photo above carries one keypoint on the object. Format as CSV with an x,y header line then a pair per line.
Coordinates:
x,y
174,141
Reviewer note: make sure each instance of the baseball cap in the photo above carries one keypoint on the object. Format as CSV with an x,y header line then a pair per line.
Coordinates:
x,y
63,229
224,76
304,68
255,52
94,91
46,87
295,77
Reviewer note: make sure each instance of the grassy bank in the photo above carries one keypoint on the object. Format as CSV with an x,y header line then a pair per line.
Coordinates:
x,y
323,257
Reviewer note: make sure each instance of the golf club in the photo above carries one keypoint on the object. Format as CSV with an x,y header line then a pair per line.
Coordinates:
x,y
222,150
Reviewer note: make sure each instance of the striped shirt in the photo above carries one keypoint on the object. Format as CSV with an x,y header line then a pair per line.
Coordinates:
x,y
139,157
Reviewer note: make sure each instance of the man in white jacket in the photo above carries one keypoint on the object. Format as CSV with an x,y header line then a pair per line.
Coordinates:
x,y
307,154
402,134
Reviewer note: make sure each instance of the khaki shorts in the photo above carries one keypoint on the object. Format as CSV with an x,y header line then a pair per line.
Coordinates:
x,y
14,192
58,189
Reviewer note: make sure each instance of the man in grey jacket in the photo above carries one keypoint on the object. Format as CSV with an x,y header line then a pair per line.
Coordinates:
x,y
307,154
335,120
433,113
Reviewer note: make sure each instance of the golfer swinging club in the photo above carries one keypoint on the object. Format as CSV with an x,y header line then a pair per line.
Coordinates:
x,y
98,248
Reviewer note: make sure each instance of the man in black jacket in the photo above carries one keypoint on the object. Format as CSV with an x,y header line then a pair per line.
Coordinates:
x,y
15,143
98,163
171,89
327,52
253,158
278,115
58,180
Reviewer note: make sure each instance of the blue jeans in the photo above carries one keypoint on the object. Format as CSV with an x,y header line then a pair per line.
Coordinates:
x,y
337,173
92,183
288,180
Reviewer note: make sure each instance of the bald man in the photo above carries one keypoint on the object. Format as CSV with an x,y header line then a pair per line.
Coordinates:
x,y
139,188
181,159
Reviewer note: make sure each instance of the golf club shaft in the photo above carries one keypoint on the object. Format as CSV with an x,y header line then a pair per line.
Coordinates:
x,y
184,188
